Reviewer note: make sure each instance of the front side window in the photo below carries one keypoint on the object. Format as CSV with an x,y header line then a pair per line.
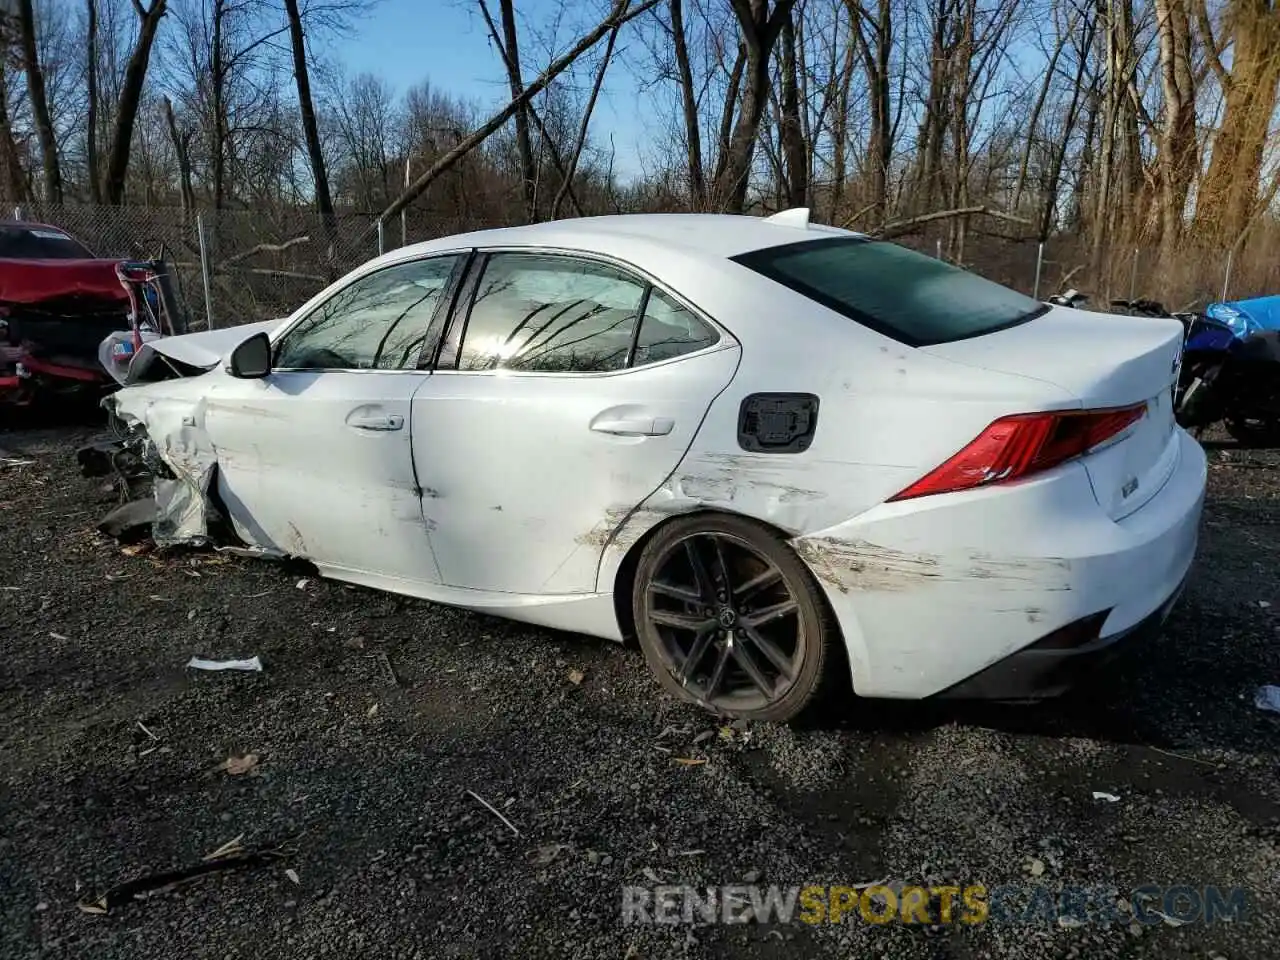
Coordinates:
x,y
380,322
913,298
550,314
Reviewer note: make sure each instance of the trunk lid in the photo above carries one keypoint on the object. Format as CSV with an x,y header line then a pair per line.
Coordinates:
x,y
1105,360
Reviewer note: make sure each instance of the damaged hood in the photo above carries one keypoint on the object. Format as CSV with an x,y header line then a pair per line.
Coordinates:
x,y
39,281
203,351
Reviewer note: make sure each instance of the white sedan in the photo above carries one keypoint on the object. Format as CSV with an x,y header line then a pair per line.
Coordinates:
x,y
786,458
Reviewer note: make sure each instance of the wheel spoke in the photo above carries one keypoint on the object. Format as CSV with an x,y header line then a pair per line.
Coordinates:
x,y
675,592
681,621
696,653
701,579
762,581
753,672
758,618
717,675
722,568
771,650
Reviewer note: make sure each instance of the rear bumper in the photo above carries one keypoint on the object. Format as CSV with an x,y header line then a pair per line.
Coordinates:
x,y
934,592
1038,672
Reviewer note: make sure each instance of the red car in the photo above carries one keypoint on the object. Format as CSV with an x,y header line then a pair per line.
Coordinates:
x,y
58,302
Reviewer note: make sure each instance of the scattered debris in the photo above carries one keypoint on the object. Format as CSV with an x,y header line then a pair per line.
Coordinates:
x,y
372,711
494,811
292,874
1265,605
547,853
390,671
252,664
131,522
230,856
57,636
1109,797
576,677
240,765
703,737
1267,698
302,584
1036,868
143,727
690,761
12,462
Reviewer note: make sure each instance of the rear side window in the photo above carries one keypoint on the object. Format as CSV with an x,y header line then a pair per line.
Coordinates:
x,y
913,298
39,243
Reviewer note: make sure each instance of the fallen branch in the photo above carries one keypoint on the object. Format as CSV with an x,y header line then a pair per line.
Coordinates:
x,y
266,248
899,227
621,13
488,806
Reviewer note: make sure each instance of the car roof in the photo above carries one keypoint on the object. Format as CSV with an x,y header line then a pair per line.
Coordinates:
x,y
707,234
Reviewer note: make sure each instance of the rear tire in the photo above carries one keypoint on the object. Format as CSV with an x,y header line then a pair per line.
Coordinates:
x,y
729,618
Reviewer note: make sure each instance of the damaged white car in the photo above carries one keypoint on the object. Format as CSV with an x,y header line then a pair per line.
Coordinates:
x,y
783,456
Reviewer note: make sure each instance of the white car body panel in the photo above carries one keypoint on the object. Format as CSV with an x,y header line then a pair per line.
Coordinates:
x,y
522,485
926,591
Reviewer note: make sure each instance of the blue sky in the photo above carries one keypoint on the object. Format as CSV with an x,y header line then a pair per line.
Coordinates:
x,y
445,41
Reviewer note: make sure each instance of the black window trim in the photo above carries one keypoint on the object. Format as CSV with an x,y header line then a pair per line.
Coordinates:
x,y
435,325
759,261
460,315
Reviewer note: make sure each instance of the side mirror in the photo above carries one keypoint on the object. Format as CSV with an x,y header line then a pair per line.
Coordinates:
x,y
252,359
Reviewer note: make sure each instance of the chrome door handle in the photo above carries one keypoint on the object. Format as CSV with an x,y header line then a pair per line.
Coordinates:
x,y
635,426
391,422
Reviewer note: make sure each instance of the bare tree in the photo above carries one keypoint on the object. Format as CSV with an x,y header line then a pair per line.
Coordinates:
x,y
310,129
130,98
39,103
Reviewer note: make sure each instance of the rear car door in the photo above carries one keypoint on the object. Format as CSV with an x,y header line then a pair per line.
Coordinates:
x,y
316,459
568,390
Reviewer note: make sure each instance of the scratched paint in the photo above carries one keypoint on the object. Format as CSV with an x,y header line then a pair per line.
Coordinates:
x,y
859,565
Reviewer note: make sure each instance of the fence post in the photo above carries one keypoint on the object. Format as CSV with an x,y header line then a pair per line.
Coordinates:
x,y
1226,281
204,272
1133,276
1035,293
17,212
381,237
939,248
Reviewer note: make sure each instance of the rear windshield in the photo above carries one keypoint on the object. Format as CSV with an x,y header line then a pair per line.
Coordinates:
x,y
39,243
913,298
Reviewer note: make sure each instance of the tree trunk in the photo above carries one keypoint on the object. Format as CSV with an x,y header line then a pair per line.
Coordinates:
x,y
39,103
759,29
218,70
130,96
1229,192
689,104
1177,144
13,174
528,169
727,114
875,51
91,120
791,131
324,202
184,158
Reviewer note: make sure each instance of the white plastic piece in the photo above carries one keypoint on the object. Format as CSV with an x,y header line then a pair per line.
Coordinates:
x,y
253,664
795,217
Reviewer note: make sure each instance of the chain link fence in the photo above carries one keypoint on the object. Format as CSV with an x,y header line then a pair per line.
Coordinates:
x,y
241,266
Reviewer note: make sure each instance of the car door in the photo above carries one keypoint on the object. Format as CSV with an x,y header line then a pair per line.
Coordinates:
x,y
316,458
568,389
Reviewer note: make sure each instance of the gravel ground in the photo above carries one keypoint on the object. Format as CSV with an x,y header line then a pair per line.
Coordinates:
x,y
111,759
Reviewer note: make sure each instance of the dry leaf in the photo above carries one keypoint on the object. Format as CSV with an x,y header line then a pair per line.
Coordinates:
x,y
691,761
372,711
576,677
97,906
239,765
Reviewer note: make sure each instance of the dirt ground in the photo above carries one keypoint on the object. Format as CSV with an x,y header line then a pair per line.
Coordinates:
x,y
376,719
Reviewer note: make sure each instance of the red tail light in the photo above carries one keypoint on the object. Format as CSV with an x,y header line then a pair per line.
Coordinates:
x,y
1023,444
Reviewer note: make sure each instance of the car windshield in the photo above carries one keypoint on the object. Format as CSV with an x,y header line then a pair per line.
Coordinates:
x,y
39,243
913,298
